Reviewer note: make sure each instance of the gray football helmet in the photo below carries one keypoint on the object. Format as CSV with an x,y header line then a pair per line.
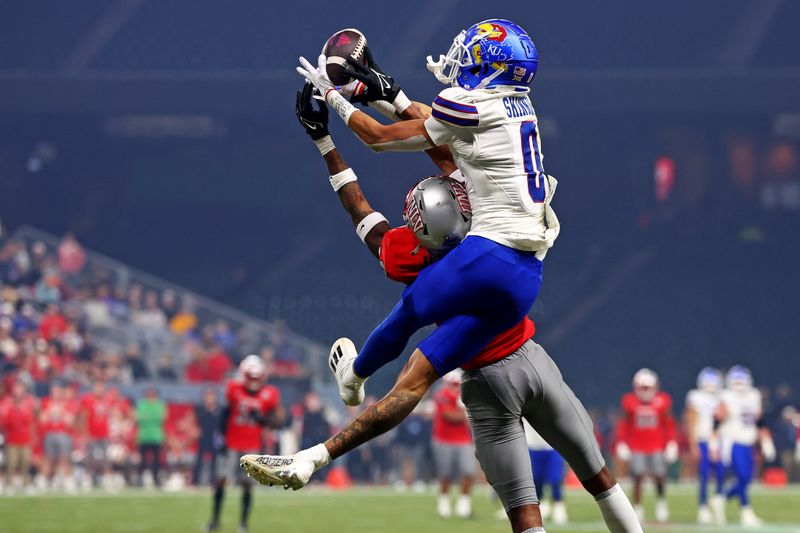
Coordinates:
x,y
437,210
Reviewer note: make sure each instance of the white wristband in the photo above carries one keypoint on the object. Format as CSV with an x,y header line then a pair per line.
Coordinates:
x,y
342,178
367,223
325,144
340,104
401,102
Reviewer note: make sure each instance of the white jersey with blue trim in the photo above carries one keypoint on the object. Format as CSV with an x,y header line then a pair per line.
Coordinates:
x,y
535,441
705,405
743,410
494,137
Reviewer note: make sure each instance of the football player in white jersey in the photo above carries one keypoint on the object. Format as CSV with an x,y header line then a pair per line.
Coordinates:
x,y
740,429
702,404
492,277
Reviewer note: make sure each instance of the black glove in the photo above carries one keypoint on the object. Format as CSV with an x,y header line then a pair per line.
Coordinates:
x,y
314,121
379,85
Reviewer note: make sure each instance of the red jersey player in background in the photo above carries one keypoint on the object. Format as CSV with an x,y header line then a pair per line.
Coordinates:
x,y
646,438
94,423
18,424
251,405
453,451
57,420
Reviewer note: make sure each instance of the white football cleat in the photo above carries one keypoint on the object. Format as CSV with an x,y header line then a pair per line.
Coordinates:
x,y
704,515
749,519
639,510
463,506
718,505
443,508
288,471
351,387
662,510
560,513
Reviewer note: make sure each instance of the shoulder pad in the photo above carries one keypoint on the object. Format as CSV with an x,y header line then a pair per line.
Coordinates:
x,y
455,106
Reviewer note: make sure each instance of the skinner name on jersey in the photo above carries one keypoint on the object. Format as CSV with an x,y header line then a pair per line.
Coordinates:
x,y
517,106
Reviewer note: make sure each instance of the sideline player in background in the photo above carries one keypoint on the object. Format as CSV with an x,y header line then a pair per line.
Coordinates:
x,y
510,379
18,424
251,405
453,452
57,419
741,426
548,471
646,438
702,404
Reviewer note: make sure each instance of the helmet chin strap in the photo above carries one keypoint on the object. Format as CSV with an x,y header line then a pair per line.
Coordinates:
x,y
487,80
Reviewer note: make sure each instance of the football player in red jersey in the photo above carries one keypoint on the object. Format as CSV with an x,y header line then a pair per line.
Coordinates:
x,y
94,423
453,452
18,424
510,379
250,406
57,418
646,438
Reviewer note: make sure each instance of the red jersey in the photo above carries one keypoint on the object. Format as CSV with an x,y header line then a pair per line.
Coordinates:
x,y
17,420
58,416
97,410
403,258
646,427
447,401
242,430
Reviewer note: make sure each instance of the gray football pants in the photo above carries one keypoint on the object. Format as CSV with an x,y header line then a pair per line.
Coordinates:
x,y
527,384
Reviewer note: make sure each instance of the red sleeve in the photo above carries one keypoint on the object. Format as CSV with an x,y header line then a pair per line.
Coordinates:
x,y
401,255
624,423
271,399
230,392
668,421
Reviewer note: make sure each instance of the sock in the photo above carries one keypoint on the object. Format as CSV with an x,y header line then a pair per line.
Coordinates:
x,y
535,530
219,495
617,511
247,498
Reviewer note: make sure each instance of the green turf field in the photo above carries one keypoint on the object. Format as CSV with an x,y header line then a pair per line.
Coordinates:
x,y
323,511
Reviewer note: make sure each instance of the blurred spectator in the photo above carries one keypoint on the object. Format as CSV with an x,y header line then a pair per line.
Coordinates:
x,y
48,290
133,359
185,321
166,371
207,414
71,257
781,187
151,412
152,317
18,420
315,426
207,366
53,324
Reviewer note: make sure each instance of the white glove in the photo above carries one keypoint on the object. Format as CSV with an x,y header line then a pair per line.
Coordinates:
x,y
671,452
623,451
318,77
768,449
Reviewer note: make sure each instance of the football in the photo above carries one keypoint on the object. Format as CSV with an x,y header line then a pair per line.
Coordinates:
x,y
344,43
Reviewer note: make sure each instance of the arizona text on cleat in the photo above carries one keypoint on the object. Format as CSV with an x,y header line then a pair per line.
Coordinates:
x,y
351,387
288,471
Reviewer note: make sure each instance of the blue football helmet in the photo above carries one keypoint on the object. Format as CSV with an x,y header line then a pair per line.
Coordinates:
x,y
739,378
709,379
492,53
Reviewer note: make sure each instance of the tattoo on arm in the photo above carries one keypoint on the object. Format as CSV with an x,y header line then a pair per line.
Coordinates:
x,y
387,413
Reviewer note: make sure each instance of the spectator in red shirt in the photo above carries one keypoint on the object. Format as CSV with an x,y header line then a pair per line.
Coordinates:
x,y
453,451
57,418
53,323
71,257
18,421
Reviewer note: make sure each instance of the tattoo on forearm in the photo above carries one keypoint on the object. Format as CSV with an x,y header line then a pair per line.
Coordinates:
x,y
376,420
354,202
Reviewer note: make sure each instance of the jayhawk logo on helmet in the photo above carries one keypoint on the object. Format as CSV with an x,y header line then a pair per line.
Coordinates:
x,y
492,53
